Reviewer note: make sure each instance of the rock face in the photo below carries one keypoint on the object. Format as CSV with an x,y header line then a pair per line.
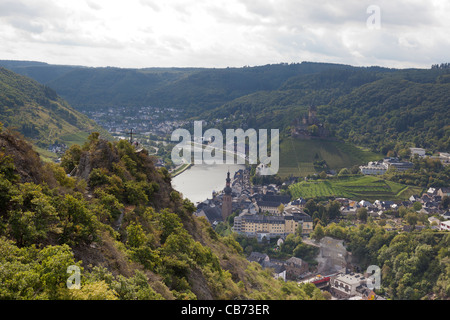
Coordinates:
x,y
333,256
103,156
27,163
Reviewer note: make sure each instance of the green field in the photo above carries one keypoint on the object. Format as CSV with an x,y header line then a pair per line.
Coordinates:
x,y
354,187
75,138
297,156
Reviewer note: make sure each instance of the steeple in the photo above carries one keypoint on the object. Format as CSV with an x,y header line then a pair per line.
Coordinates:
x,y
227,189
227,201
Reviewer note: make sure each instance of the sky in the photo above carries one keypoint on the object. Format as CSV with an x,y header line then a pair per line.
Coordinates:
x,y
225,33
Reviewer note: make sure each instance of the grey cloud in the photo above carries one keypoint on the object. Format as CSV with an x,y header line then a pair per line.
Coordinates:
x,y
93,5
27,25
271,29
151,3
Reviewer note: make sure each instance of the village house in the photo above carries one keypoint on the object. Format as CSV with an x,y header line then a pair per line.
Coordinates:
x,y
344,286
295,268
445,158
374,168
299,203
446,215
270,203
419,151
272,226
434,221
278,267
381,167
397,164
442,192
444,226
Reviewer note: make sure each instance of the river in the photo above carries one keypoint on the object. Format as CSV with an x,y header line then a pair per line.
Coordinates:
x,y
199,181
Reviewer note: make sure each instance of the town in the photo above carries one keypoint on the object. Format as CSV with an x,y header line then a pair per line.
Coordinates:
x,y
269,215
149,120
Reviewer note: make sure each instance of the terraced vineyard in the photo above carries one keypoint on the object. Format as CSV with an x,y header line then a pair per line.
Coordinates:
x,y
354,187
297,156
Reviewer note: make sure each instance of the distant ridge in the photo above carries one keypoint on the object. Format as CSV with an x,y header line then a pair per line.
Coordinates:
x,y
36,111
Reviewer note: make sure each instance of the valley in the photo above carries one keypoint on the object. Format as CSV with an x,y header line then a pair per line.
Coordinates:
x,y
108,197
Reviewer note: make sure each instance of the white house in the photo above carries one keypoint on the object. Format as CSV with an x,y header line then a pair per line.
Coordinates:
x,y
445,225
444,157
374,168
344,285
446,215
434,219
419,151
365,204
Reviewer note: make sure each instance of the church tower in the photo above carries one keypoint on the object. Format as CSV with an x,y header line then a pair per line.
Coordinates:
x,y
226,202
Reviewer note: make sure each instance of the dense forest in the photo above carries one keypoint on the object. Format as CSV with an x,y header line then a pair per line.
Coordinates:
x,y
406,110
191,89
119,221
386,111
379,108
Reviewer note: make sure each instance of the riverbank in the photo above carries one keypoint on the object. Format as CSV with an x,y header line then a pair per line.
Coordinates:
x,y
180,169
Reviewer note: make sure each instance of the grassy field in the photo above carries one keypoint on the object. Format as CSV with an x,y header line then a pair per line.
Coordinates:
x,y
297,156
46,156
354,187
75,138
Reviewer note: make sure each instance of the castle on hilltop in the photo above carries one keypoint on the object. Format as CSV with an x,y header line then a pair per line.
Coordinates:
x,y
308,126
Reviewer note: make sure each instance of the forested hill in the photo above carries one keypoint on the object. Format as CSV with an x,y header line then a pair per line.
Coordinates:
x,y
410,109
385,110
36,111
117,219
192,89
380,108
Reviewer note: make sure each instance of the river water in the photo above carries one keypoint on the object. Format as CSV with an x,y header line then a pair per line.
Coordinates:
x,y
199,181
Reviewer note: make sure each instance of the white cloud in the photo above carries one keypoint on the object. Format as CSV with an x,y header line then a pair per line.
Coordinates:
x,y
220,33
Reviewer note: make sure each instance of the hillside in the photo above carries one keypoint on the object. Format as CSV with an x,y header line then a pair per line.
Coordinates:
x,y
301,158
386,110
381,109
191,89
119,221
36,111
409,109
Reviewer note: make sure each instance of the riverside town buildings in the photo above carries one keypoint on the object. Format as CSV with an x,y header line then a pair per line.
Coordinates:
x,y
381,167
272,226
261,211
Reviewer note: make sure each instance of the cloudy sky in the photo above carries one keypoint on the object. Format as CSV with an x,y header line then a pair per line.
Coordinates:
x,y
222,33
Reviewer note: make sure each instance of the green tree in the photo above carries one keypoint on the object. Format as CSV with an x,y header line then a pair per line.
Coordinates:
x,y
136,235
318,232
32,214
362,214
445,203
411,218
313,130
334,209
343,172
417,206
168,222
311,206
323,175
71,158
78,223
93,291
